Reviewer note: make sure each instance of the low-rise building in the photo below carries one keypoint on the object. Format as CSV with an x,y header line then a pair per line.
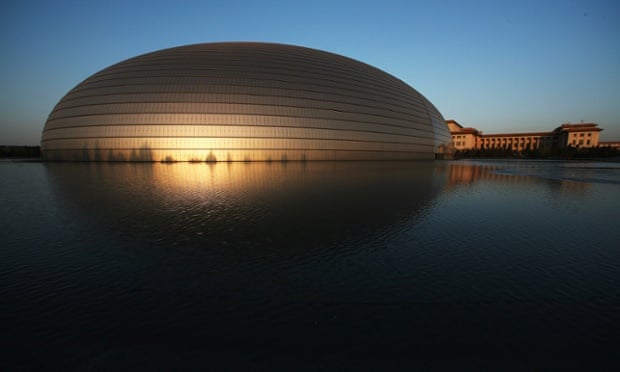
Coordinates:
x,y
583,135
463,138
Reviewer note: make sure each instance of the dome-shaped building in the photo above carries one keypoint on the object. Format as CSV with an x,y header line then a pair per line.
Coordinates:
x,y
242,102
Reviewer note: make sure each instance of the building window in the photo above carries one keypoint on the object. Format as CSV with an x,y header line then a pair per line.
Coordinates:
x,y
588,142
581,142
580,134
589,134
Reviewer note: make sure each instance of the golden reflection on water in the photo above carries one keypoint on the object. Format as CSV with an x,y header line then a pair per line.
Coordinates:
x,y
224,177
289,201
285,201
513,173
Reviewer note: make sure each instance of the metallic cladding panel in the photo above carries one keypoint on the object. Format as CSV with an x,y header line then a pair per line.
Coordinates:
x,y
242,102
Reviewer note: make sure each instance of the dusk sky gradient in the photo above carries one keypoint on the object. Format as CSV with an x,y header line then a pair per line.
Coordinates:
x,y
499,66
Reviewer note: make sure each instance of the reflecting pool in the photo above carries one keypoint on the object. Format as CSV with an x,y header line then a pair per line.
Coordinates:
x,y
321,265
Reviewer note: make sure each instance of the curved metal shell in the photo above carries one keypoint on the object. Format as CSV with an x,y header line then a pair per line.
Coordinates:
x,y
242,102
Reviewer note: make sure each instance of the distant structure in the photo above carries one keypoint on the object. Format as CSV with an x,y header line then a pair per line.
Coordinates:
x,y
611,144
20,151
242,102
583,135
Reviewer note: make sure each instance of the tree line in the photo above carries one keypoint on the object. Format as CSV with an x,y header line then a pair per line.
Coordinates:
x,y
20,151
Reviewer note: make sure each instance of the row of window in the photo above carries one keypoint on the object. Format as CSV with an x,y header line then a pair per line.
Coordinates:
x,y
506,140
516,140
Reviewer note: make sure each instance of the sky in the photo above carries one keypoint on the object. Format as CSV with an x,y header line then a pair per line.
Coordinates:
x,y
498,66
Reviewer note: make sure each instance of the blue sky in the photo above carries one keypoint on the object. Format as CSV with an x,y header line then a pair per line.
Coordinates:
x,y
494,65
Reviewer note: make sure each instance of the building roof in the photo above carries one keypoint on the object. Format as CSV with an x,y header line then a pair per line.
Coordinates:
x,y
450,121
567,127
468,130
582,127
461,129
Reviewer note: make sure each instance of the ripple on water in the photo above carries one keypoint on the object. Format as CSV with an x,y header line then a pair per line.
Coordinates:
x,y
490,258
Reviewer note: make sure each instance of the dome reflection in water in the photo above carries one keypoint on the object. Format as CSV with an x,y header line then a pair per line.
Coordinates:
x,y
238,255
290,208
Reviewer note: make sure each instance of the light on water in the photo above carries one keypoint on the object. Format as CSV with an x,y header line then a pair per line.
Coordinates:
x,y
319,264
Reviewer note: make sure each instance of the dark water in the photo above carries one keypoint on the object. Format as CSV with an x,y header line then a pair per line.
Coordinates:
x,y
457,265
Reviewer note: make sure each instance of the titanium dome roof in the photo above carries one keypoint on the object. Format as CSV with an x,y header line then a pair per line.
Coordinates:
x,y
242,102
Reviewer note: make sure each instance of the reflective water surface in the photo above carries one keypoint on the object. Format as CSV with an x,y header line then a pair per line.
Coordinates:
x,y
321,265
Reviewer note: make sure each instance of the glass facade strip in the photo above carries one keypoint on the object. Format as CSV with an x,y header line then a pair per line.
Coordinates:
x,y
223,119
255,70
177,126
301,91
258,76
231,144
395,96
290,65
219,86
142,154
232,109
219,131
261,100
